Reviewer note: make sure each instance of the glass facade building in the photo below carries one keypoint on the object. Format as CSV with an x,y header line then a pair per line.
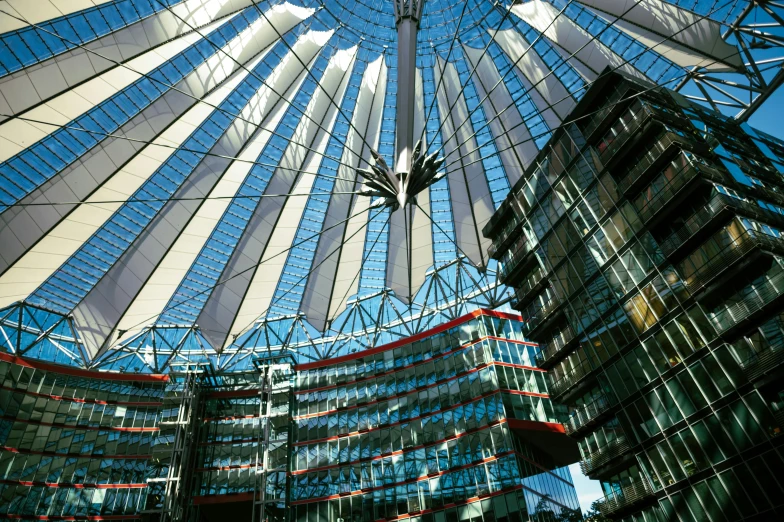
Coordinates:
x,y
452,424
645,245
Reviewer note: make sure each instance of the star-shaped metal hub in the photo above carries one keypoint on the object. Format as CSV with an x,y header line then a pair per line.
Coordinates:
x,y
401,188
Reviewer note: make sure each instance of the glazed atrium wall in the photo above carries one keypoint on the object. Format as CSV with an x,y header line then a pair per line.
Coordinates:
x,y
645,246
452,424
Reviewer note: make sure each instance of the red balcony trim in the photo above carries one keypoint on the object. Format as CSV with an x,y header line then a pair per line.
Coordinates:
x,y
439,356
387,426
420,478
71,455
527,425
74,426
416,391
66,485
78,372
222,499
84,401
408,340
401,452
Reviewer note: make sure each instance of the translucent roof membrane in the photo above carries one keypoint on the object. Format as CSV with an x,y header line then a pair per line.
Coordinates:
x,y
178,179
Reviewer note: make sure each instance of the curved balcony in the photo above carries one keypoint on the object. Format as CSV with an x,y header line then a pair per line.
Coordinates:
x,y
727,258
612,107
589,414
627,496
604,455
661,151
678,186
537,315
504,238
571,379
519,257
764,297
555,347
621,141
703,222
529,288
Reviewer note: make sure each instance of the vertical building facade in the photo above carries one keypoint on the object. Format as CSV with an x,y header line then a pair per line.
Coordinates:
x,y
79,443
452,424
645,246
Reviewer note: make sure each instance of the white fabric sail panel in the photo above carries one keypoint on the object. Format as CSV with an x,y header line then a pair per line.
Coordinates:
x,y
16,135
81,178
685,38
552,92
36,11
334,277
51,77
510,132
98,313
56,247
472,204
266,110
410,249
591,56
265,281
223,304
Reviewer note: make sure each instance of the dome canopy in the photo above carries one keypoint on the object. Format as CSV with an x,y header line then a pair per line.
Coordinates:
x,y
182,180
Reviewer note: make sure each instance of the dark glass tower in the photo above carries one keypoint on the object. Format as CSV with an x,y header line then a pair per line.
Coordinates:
x,y
646,250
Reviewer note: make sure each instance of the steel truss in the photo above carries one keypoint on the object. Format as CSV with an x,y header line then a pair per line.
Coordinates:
x,y
758,33
450,290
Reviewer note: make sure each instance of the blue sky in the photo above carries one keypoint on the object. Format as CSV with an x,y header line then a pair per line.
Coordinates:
x,y
770,117
587,490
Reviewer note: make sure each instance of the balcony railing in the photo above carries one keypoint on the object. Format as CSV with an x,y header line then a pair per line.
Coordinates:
x,y
535,315
588,414
623,138
611,104
763,363
530,287
571,378
519,254
696,223
718,205
664,195
605,454
625,497
502,240
556,346
736,250
636,175
760,298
